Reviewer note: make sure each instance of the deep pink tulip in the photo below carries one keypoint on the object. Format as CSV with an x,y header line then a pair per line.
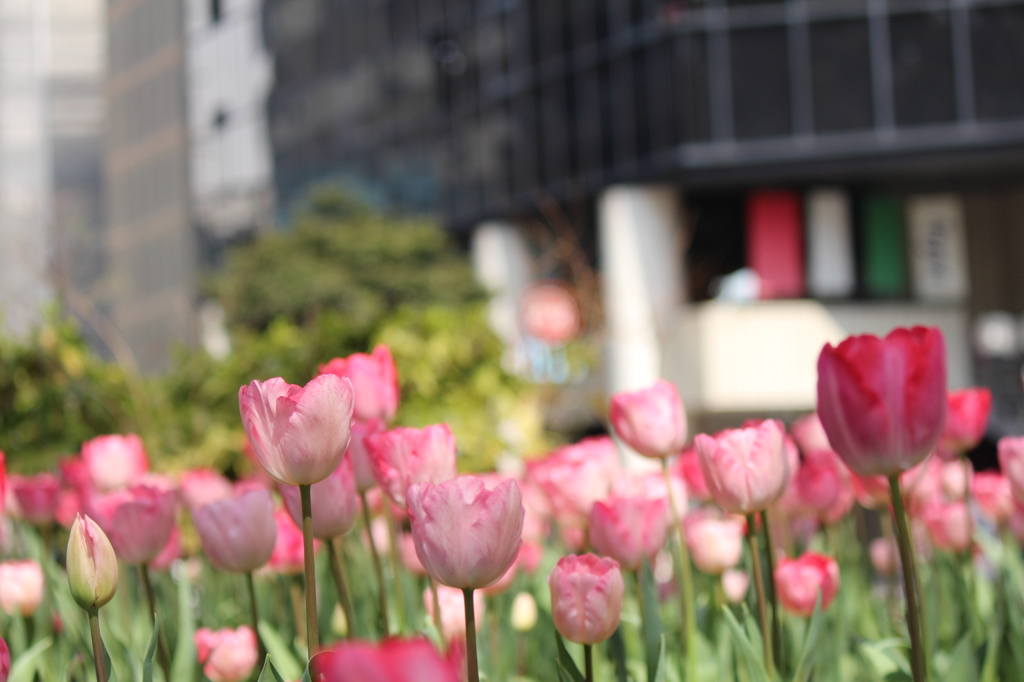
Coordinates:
x,y
374,380
687,467
37,497
453,610
651,421
716,544
141,523
74,473
114,462
576,476
5,653
21,587
404,456
871,491
966,420
334,499
170,553
735,585
991,491
882,402
1011,461
586,597
288,554
360,456
949,525
798,581
745,469
821,487
884,556
69,504
227,655
466,535
628,529
298,433
238,534
200,487
393,660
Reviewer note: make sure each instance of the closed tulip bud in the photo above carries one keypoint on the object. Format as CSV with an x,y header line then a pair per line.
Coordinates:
x,y
628,529
200,487
586,597
37,497
5,654
967,415
715,544
949,525
238,534
403,456
882,402
227,655
21,587
91,564
334,499
735,585
746,469
360,456
991,491
1011,461
651,421
374,380
392,660
466,535
298,433
142,523
114,462
524,612
798,582
453,610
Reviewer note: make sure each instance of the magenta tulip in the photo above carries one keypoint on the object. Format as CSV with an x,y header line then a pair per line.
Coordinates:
x,y
21,587
882,402
403,456
967,415
393,660
716,544
745,469
114,462
628,529
1011,461
226,655
466,535
586,597
36,497
374,380
238,534
651,421
334,499
298,433
799,581
141,523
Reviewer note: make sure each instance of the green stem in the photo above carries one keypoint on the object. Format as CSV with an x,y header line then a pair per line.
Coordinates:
x,y
255,615
472,667
97,645
770,555
161,649
396,566
904,539
685,578
338,572
382,596
309,561
762,604
588,660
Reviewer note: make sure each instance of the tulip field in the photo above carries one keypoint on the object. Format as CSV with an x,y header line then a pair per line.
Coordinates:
x,y
855,544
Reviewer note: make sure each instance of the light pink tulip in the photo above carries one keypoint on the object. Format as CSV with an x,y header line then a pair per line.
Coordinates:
x,y
651,421
403,456
453,611
227,655
1011,461
628,529
576,476
956,478
37,497
809,435
882,402
735,585
374,380
114,462
991,491
21,587
466,535
200,487
407,553
798,581
966,421
745,469
335,502
392,660
238,534
884,556
586,597
715,544
141,523
288,554
360,456
949,525
298,433
652,486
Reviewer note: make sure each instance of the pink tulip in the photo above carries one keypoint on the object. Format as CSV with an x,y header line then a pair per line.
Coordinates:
x,y
288,554
141,522
949,525
393,660
407,553
74,473
5,653
453,610
1011,461
651,421
810,435
298,433
628,529
114,462
170,553
200,487
884,556
227,655
735,585
821,487
991,491
36,497
574,477
69,504
21,587
238,534
1016,522
466,535
374,380
745,469
403,456
966,420
798,582
586,597
3,484
956,477
687,467
360,456
871,491
882,402
715,544
651,485
335,502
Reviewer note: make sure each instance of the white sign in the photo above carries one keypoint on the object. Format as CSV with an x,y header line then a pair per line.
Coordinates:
x,y
830,263
938,250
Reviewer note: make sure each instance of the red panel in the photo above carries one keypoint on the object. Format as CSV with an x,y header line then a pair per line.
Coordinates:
x,y
775,243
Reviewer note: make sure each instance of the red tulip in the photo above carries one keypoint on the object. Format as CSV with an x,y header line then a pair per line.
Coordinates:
x,y
466,535
227,655
288,554
966,420
991,491
298,433
628,529
200,487
586,597
798,582
114,462
21,587
141,523
393,660
239,534
949,525
882,402
651,421
403,456
574,477
37,497
335,502
360,456
715,544
374,380
746,469
1011,461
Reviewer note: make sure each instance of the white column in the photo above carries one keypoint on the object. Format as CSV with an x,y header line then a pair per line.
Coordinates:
x,y
503,265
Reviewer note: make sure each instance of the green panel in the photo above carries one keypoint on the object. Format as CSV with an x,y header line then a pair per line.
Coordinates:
x,y
885,247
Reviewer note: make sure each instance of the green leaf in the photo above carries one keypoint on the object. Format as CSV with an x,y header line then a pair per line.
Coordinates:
x,y
26,665
617,654
804,664
566,662
285,660
269,673
183,667
746,651
962,665
659,674
654,630
147,663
